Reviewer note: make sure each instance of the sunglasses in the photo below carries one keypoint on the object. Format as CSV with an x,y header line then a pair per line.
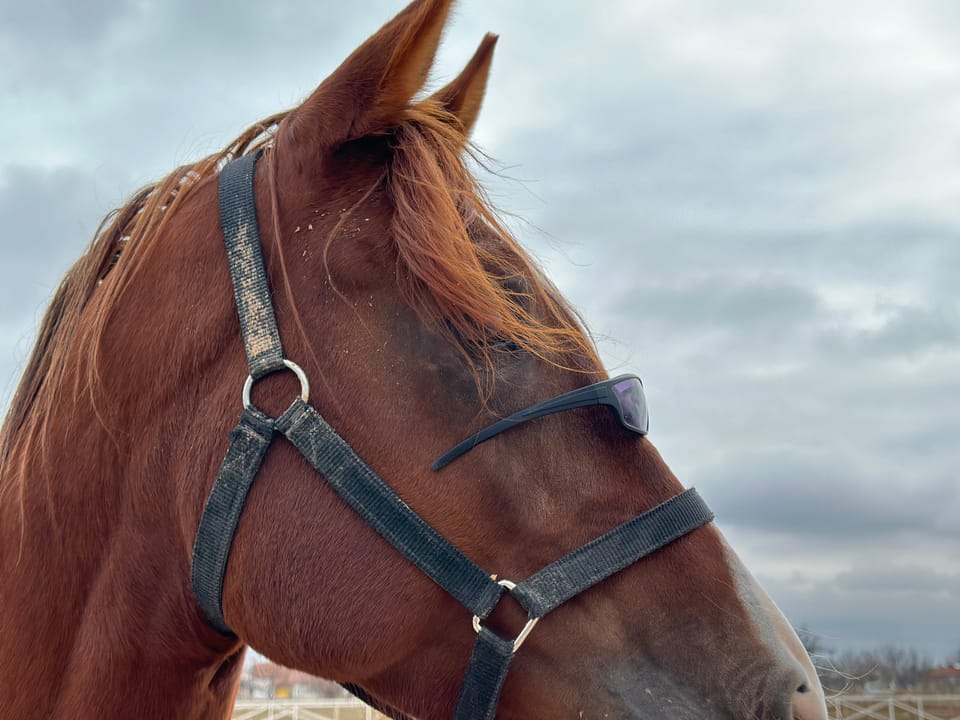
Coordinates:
x,y
623,393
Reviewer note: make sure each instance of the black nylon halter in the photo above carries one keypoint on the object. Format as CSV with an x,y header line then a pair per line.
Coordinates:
x,y
374,500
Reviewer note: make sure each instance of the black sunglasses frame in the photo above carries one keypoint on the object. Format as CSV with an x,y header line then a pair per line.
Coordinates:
x,y
601,393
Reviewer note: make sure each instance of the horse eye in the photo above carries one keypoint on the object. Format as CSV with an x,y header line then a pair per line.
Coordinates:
x,y
498,345
506,346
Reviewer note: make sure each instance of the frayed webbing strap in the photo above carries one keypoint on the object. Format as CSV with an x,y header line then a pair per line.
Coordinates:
x,y
238,218
221,514
252,436
621,547
567,577
383,509
488,668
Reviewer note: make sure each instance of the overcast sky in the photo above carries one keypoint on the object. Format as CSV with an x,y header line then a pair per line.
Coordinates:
x,y
755,205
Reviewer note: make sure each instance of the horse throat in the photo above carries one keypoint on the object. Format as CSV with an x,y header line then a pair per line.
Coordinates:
x,y
92,600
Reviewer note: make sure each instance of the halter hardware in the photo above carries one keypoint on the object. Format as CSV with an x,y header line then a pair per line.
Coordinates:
x,y
527,629
289,365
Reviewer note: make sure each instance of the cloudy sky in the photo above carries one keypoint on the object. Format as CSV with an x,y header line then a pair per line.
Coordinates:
x,y
755,205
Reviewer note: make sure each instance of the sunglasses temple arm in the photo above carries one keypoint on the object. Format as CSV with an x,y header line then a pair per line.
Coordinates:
x,y
474,440
584,397
575,399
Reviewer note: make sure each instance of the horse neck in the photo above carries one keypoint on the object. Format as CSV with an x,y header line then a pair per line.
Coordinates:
x,y
95,550
91,592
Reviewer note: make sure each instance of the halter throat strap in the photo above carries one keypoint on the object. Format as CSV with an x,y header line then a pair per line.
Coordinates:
x,y
373,500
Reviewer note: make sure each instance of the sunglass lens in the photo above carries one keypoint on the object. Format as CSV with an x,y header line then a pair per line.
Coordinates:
x,y
633,404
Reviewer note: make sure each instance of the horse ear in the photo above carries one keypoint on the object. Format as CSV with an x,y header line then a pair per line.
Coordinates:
x,y
464,95
370,90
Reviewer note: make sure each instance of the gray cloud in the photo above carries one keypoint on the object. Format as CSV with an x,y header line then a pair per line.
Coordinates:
x,y
909,579
809,494
876,603
906,332
754,206
52,43
47,222
47,216
757,306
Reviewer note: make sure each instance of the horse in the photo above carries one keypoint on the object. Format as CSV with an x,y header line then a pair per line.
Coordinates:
x,y
418,320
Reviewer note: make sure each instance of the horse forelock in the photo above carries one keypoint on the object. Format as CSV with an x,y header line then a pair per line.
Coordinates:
x,y
459,267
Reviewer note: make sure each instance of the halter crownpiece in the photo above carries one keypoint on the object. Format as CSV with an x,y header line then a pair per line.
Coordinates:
x,y
374,501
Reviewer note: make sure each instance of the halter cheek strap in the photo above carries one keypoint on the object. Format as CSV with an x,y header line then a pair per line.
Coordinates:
x,y
374,501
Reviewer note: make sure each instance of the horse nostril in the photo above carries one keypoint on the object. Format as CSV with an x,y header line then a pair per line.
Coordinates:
x,y
807,704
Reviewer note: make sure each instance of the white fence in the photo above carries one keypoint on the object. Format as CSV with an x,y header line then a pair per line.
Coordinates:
x,y
305,709
841,707
895,707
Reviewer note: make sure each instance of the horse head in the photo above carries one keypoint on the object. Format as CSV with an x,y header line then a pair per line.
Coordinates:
x,y
419,320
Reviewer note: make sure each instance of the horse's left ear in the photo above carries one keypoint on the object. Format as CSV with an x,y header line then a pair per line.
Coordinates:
x,y
373,87
463,96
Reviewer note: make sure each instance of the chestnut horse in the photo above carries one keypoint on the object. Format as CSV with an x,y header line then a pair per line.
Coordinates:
x,y
419,321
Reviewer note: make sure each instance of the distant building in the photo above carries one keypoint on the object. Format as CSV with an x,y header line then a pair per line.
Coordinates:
x,y
945,679
265,681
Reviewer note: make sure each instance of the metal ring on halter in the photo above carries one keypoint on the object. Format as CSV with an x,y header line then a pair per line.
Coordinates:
x,y
527,629
293,367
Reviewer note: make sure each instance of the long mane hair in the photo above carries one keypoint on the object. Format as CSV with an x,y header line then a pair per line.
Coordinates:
x,y
470,291
81,304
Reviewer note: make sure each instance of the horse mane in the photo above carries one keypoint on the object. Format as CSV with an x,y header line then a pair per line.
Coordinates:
x,y
459,266
480,292
81,305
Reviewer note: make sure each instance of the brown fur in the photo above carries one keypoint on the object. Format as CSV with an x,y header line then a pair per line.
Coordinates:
x,y
396,288
81,306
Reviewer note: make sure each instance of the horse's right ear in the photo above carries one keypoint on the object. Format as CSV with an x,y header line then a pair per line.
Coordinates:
x,y
370,90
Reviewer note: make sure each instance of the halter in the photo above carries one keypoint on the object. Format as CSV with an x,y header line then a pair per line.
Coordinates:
x,y
375,502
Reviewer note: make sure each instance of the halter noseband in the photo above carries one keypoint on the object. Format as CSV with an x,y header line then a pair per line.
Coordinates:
x,y
374,500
